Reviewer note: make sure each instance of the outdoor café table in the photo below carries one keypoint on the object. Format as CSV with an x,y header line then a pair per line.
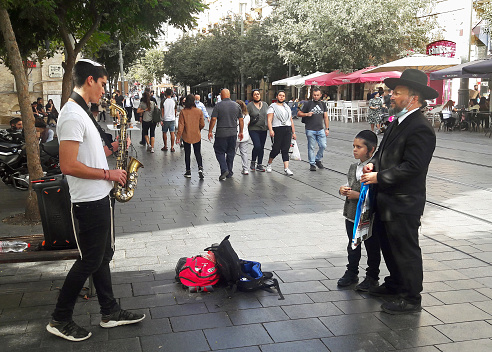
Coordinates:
x,y
130,128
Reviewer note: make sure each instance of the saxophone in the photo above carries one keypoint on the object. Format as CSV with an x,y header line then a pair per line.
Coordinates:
x,y
124,193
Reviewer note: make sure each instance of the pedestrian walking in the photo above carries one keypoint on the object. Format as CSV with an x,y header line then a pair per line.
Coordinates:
x,y
129,107
202,107
315,117
282,131
190,123
399,170
375,112
168,123
242,144
364,146
227,114
83,160
257,110
148,126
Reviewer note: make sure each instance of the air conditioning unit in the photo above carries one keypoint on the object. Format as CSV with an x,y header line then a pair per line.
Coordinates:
x,y
30,88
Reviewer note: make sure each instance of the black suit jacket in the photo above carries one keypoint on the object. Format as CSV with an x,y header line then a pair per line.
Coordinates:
x,y
402,161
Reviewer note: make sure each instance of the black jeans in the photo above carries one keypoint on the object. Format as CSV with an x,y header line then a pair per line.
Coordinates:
x,y
258,138
95,243
281,142
196,150
148,126
225,151
129,112
399,241
373,253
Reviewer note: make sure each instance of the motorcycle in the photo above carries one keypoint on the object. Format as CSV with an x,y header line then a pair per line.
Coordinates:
x,y
13,160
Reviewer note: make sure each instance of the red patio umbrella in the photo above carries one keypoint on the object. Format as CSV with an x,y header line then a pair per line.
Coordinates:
x,y
324,80
361,77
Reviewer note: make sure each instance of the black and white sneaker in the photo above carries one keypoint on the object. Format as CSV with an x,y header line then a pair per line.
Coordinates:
x,y
187,174
68,330
200,173
121,317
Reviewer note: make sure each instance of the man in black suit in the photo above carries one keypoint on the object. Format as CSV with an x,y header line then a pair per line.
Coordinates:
x,y
399,174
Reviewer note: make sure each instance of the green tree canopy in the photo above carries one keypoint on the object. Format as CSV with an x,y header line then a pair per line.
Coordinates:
x,y
326,35
148,68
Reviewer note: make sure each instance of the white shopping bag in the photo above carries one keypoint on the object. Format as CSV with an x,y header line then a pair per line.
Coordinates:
x,y
294,151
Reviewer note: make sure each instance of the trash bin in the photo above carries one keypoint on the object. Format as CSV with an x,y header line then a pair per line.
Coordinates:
x,y
55,210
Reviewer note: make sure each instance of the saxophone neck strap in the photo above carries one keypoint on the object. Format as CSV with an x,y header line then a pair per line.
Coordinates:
x,y
105,137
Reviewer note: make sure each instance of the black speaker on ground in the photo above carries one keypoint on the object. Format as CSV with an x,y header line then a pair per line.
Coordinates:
x,y
55,210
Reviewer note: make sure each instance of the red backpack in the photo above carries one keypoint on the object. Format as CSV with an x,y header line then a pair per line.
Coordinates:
x,y
198,273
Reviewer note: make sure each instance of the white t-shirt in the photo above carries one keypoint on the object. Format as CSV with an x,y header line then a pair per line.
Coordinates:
x,y
75,125
169,106
281,114
246,120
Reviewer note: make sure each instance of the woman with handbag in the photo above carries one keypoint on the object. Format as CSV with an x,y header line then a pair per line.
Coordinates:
x,y
282,130
257,111
145,108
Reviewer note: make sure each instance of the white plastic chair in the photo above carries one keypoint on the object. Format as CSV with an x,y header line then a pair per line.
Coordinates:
x,y
338,110
349,110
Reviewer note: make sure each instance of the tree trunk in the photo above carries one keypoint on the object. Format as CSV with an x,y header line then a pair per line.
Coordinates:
x,y
32,142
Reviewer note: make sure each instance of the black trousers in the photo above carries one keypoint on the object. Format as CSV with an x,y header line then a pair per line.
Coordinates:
x,y
129,112
259,139
198,155
95,243
281,142
399,241
373,253
225,151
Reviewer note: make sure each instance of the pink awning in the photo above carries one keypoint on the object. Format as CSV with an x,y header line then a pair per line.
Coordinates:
x,y
324,80
361,77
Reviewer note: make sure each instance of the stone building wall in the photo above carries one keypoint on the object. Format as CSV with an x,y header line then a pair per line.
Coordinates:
x,y
41,85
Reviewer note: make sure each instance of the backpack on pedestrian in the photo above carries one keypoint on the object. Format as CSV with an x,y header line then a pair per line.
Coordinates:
x,y
156,114
197,273
240,274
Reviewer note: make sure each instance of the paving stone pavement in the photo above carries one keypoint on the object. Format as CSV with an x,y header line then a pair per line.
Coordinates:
x,y
294,227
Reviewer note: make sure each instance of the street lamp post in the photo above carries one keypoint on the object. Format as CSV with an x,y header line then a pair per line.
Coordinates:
x,y
242,9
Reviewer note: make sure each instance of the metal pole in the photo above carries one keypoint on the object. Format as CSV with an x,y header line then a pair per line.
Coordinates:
x,y
121,68
243,93
463,92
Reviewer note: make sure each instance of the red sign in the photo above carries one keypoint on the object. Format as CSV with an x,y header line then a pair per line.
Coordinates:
x,y
444,48
29,64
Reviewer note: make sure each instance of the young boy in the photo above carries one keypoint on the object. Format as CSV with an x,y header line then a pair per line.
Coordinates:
x,y
365,144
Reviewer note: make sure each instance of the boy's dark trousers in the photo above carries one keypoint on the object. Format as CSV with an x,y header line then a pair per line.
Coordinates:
x,y
373,250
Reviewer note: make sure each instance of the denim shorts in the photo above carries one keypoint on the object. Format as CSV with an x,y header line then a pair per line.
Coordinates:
x,y
168,126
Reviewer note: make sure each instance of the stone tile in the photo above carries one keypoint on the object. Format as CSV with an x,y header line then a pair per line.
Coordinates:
x,y
444,275
459,296
455,313
359,306
475,345
22,342
314,310
485,306
464,284
146,327
31,299
334,296
406,321
154,287
165,299
257,315
305,346
200,321
10,328
300,275
237,336
348,324
22,314
178,310
479,272
366,342
414,337
310,264
297,298
301,329
243,349
466,331
302,287
421,349
12,300
333,273
175,342
240,300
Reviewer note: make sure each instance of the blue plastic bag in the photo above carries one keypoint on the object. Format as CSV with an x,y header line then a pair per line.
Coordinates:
x,y
362,222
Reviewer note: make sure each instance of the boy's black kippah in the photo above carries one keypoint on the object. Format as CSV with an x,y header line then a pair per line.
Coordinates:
x,y
369,136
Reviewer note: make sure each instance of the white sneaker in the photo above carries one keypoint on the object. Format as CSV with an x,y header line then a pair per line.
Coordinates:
x,y
288,172
269,168
245,172
151,150
148,147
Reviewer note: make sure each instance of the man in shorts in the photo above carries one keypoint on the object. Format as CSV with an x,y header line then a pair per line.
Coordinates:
x,y
169,119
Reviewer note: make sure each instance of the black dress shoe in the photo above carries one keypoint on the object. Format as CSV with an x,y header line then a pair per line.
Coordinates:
x,y
401,306
348,279
365,285
381,291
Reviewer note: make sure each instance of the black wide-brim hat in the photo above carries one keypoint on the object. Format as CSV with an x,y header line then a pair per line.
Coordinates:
x,y
415,79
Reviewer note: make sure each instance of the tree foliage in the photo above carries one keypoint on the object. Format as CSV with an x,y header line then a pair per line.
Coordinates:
x,y
326,35
149,68
220,55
